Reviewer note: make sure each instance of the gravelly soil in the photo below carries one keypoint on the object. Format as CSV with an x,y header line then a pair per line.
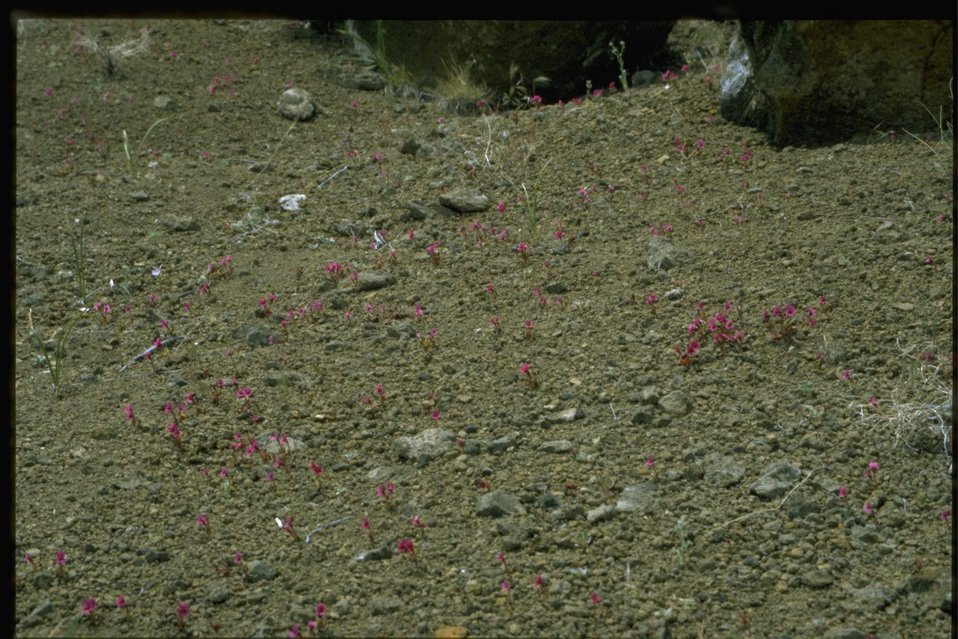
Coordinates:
x,y
634,481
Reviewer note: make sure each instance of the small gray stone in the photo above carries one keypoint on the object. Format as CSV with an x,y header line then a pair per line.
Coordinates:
x,y
180,224
638,498
296,104
873,596
465,201
260,570
722,471
602,513
372,281
154,556
416,211
567,415
425,446
164,103
409,147
675,403
643,415
380,553
556,446
660,255
220,595
502,444
650,395
817,579
776,480
556,288
139,196
384,605
498,503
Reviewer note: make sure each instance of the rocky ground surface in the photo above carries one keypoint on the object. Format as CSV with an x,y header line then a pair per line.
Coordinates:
x,y
607,368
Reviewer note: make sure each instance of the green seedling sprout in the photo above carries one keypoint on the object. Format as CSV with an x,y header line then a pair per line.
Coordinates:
x,y
131,157
54,364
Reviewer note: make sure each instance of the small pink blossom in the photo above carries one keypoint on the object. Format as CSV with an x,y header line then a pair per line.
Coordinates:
x,y
89,605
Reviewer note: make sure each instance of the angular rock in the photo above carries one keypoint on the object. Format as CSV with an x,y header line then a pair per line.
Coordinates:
x,y
776,480
817,579
497,504
379,553
374,280
465,201
722,471
675,403
296,104
567,415
638,498
502,444
661,254
821,81
416,211
425,446
261,571
601,513
556,446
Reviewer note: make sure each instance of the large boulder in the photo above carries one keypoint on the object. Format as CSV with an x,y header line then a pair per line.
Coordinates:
x,y
496,54
813,82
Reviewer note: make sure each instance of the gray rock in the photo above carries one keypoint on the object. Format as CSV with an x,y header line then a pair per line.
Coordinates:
x,y
776,480
643,415
556,288
416,211
139,196
601,513
638,498
502,444
465,201
567,415
374,280
409,147
568,513
817,579
384,605
180,224
661,254
427,152
872,597
260,570
296,104
497,504
556,446
220,595
380,553
425,446
814,82
154,556
675,403
650,395
722,471
164,103
256,335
